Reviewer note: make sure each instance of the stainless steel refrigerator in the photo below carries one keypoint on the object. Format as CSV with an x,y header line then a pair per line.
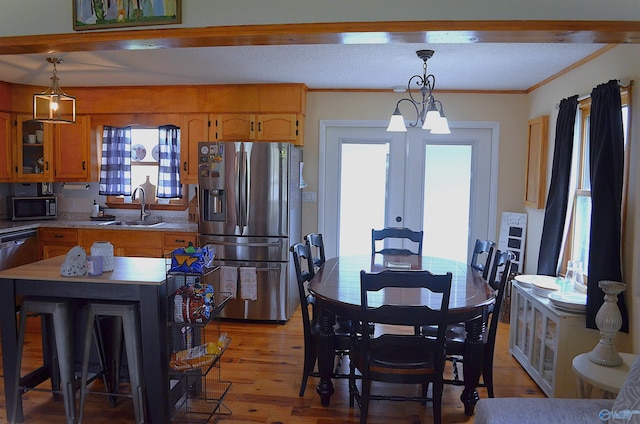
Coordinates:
x,y
250,209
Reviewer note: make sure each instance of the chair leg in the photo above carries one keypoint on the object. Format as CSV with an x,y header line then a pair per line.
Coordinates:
x,y
437,402
364,406
309,364
133,347
64,349
487,376
16,386
352,383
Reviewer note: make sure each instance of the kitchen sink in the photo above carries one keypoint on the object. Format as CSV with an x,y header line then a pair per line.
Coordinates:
x,y
136,223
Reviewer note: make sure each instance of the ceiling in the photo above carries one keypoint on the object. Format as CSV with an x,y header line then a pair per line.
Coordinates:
x,y
468,66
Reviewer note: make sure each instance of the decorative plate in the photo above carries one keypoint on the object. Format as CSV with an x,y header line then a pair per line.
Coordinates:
x,y
529,280
155,153
572,302
138,152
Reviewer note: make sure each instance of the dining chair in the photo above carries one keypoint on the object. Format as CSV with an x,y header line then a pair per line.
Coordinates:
x,y
316,244
396,233
481,258
504,265
304,273
396,356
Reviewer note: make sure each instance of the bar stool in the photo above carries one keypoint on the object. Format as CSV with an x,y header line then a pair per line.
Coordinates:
x,y
129,320
60,313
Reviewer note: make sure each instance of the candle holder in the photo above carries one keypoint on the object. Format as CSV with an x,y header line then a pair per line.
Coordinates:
x,y
608,321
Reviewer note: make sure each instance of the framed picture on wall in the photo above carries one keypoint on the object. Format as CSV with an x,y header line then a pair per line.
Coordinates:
x,y
100,14
536,173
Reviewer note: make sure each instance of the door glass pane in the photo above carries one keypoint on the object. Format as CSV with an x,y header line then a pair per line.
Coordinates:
x,y
447,190
363,187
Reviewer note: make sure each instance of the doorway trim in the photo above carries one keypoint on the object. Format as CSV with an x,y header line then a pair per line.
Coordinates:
x,y
494,126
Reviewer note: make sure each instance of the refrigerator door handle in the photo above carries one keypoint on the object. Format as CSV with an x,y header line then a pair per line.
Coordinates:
x,y
237,182
253,244
247,186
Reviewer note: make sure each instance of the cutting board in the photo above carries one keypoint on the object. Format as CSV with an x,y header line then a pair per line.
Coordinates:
x,y
149,191
193,208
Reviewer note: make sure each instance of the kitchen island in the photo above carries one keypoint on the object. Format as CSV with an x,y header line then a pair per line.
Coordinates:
x,y
133,279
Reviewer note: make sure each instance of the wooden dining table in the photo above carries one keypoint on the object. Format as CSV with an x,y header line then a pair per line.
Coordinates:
x,y
336,287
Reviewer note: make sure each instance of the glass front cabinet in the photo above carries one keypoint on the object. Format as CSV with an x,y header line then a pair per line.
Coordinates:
x,y
34,149
544,340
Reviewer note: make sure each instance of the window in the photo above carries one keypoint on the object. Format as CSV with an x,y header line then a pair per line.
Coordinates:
x,y
577,246
145,153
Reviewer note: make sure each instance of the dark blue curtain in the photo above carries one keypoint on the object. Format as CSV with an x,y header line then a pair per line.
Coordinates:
x,y
115,168
558,196
606,160
169,162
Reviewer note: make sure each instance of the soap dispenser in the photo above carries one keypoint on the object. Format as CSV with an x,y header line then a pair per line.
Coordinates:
x,y
95,210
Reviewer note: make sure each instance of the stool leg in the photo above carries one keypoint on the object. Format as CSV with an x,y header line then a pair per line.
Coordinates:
x,y
85,361
133,346
16,387
64,349
49,353
111,330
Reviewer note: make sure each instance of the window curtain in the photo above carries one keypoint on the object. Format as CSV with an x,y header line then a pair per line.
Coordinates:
x,y
169,163
606,160
115,167
555,212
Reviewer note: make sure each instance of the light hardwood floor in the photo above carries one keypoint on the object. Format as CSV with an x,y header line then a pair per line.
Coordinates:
x,y
264,363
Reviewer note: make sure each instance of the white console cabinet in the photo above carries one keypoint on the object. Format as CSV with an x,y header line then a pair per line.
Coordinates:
x,y
544,340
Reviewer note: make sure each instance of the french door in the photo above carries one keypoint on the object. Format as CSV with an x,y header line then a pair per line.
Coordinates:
x,y
443,185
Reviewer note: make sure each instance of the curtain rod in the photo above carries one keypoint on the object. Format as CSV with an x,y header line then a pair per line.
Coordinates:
x,y
622,82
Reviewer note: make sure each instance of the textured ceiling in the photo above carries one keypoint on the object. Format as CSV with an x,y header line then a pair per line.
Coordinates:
x,y
482,66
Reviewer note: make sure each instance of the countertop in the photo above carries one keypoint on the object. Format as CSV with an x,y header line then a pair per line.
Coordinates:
x,y
165,226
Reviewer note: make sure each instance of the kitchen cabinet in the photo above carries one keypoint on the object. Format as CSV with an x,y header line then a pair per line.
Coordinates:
x,y
72,160
172,241
258,127
544,340
6,157
194,128
33,150
129,242
56,241
143,243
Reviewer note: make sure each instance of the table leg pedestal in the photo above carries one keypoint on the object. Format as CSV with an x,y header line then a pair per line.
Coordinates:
x,y
326,357
472,365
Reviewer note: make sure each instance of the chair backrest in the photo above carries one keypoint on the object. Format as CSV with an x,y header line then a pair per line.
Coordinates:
x,y
316,245
501,265
396,233
405,315
507,259
304,273
481,258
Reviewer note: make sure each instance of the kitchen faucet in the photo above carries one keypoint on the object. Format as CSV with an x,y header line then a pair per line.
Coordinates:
x,y
143,213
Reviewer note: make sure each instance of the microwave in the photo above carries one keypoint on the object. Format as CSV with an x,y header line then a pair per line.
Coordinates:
x,y
25,208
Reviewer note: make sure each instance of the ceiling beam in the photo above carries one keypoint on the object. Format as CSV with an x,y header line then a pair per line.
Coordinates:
x,y
606,32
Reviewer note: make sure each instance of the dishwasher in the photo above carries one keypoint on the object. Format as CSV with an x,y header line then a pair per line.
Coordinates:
x,y
18,248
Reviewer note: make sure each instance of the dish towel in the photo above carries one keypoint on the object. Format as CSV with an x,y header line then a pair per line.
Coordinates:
x,y
229,280
248,283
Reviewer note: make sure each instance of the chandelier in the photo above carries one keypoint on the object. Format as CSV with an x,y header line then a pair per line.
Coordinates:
x,y
429,111
54,105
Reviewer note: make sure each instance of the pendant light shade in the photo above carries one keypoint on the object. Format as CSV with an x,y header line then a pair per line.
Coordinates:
x,y
54,105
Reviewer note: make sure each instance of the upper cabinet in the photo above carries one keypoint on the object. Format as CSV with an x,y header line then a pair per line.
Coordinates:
x,y
273,113
260,127
33,150
72,160
6,158
193,128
